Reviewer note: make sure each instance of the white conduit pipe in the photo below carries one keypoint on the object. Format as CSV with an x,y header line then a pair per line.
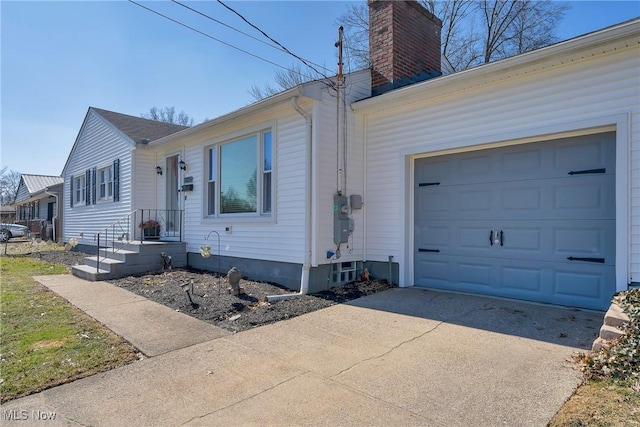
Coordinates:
x,y
304,278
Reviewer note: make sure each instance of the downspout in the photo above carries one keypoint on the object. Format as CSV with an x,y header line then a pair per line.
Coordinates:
x,y
306,267
55,217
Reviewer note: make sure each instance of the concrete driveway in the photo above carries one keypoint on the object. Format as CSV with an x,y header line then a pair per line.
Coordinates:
x,y
400,357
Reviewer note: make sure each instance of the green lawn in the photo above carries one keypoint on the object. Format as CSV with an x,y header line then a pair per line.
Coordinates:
x,y
45,341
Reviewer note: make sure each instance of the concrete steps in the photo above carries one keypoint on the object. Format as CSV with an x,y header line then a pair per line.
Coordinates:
x,y
614,321
91,273
132,258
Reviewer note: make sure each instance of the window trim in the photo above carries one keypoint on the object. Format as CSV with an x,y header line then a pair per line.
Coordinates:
x,y
79,195
259,215
108,186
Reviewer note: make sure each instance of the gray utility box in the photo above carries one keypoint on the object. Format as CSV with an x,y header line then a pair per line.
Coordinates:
x,y
342,225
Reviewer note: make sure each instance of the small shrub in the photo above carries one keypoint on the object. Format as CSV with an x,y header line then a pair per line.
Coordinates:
x,y
621,361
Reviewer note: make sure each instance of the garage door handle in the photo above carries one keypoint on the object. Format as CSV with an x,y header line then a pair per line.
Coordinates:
x,y
491,237
588,171
501,238
598,260
428,250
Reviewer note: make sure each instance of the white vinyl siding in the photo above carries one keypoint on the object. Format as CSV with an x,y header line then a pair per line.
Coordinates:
x,y
276,231
520,108
145,180
276,237
327,178
97,141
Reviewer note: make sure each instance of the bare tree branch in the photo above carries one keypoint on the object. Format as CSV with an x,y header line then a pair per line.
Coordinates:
x,y
9,182
168,115
473,32
284,79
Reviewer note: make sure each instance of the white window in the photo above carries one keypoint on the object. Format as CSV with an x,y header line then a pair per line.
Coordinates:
x,y
79,190
105,183
266,172
213,177
240,176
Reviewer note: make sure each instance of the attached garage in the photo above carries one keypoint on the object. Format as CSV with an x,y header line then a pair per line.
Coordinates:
x,y
518,178
534,221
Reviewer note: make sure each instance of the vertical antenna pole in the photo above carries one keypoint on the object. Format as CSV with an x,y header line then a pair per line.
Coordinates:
x,y
339,46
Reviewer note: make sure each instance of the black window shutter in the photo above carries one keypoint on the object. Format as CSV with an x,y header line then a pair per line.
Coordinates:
x,y
71,193
116,180
87,187
93,186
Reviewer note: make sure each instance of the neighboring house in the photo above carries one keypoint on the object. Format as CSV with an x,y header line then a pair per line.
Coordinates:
x,y
38,205
7,214
518,178
109,172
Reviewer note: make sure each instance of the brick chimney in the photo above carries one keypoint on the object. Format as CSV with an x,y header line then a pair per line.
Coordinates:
x,y
404,44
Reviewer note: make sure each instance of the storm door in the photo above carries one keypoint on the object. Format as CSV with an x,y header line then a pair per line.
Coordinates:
x,y
172,215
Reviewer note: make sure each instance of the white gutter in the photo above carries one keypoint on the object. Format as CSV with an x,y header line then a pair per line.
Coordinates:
x,y
304,279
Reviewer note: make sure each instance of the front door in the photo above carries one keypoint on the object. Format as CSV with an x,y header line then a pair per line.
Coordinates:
x,y
173,205
50,209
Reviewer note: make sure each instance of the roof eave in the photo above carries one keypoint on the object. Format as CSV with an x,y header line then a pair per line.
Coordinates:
x,y
37,195
272,100
508,66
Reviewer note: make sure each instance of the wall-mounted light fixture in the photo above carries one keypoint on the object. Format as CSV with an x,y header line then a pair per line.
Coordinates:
x,y
158,170
183,165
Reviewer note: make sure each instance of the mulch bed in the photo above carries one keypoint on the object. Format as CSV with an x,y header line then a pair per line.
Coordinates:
x,y
209,300
212,302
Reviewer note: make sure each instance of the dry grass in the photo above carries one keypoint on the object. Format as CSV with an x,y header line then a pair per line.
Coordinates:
x,y
45,341
611,394
601,403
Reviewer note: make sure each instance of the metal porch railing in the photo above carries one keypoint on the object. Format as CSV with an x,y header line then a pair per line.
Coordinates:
x,y
142,225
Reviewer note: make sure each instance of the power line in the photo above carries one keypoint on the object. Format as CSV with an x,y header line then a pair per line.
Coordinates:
x,y
274,41
239,31
214,38
226,25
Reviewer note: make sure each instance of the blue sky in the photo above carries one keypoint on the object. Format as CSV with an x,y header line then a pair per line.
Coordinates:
x,y
59,58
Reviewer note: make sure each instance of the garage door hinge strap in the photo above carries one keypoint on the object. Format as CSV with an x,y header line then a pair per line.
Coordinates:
x,y
599,260
428,184
428,250
588,171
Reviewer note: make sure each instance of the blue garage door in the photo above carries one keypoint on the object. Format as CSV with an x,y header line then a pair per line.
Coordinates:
x,y
532,221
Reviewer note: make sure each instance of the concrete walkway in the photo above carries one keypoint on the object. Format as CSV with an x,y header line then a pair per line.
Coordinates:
x,y
400,357
152,328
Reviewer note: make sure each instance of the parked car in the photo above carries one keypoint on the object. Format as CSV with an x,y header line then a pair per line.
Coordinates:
x,y
8,231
